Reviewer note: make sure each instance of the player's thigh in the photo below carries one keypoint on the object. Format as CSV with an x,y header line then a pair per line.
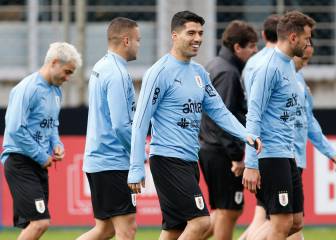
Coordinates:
x,y
180,196
276,185
110,194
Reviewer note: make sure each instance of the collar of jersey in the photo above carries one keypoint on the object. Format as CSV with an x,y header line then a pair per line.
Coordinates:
x,y
41,79
184,63
282,55
118,57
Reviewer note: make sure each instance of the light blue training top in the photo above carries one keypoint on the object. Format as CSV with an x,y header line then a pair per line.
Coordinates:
x,y
271,108
32,119
306,126
173,96
111,110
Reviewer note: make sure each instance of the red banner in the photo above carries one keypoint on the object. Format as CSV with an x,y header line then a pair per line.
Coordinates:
x,y
70,203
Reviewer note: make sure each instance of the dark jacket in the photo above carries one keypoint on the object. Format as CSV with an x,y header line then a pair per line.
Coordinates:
x,y
225,73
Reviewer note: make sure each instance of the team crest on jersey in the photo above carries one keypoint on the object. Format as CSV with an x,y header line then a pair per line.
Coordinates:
x,y
133,196
283,198
58,101
199,202
40,206
238,197
198,80
210,91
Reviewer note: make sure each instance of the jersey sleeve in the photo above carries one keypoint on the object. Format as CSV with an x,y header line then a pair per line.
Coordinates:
x,y
55,138
261,91
315,133
118,108
152,90
20,105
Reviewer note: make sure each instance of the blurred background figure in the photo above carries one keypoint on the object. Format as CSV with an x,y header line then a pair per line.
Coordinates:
x,y
221,155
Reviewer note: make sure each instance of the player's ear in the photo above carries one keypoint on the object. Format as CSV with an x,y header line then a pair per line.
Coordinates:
x,y
236,48
125,40
292,37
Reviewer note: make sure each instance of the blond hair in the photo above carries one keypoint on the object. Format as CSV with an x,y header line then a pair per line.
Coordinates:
x,y
63,52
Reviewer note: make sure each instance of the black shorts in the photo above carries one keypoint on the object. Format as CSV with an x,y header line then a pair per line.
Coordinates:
x,y
28,184
176,183
225,189
110,194
281,186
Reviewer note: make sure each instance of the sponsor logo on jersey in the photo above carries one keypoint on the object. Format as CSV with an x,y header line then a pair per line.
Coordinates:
x,y
238,197
185,123
192,107
198,80
285,116
210,90
37,136
133,196
283,198
156,95
199,202
292,101
47,123
40,206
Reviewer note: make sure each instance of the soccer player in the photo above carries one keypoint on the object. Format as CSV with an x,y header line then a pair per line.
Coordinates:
x,y
174,93
108,140
221,155
306,125
269,35
271,113
31,141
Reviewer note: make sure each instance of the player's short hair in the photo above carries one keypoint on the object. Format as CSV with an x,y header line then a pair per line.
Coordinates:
x,y
180,18
63,52
238,32
270,28
118,27
293,21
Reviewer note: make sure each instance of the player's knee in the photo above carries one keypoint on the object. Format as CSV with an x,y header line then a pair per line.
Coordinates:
x,y
126,233
283,226
232,215
107,233
201,225
297,225
40,226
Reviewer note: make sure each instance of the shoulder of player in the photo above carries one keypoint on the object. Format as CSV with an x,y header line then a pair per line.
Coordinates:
x,y
109,70
159,70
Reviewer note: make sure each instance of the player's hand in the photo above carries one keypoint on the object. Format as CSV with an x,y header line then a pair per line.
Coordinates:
x,y
48,163
257,144
136,187
237,168
58,153
251,179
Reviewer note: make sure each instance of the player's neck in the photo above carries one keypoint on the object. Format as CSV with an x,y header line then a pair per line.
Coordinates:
x,y
270,45
45,73
118,51
285,48
179,56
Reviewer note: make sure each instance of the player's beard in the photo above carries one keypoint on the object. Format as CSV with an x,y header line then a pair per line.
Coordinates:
x,y
298,51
